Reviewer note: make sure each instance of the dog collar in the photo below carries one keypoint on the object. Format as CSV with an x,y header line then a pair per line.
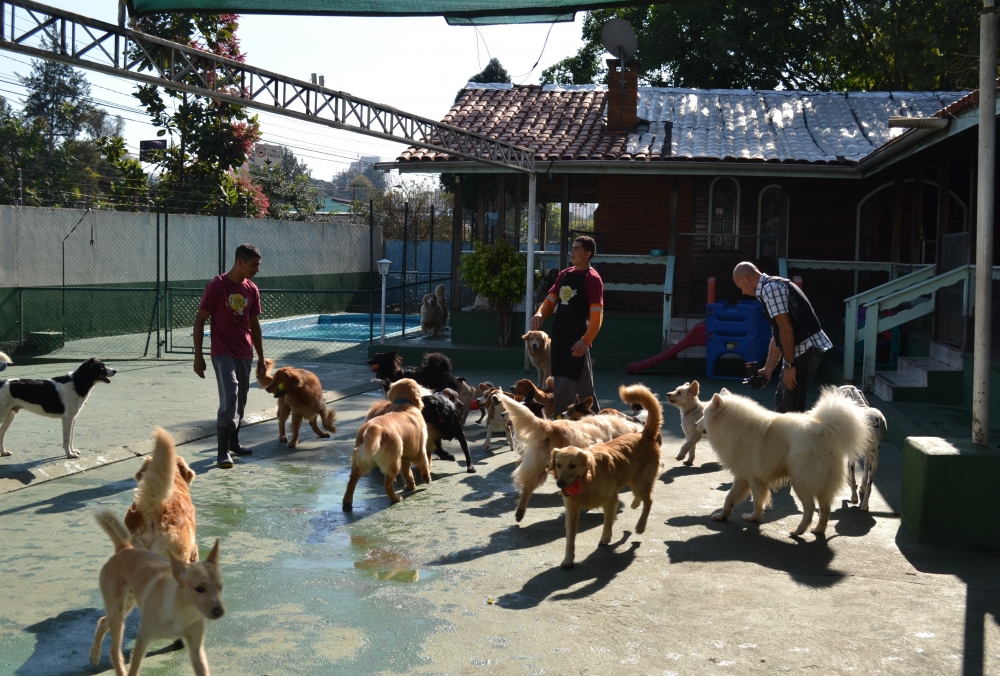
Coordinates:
x,y
693,408
402,401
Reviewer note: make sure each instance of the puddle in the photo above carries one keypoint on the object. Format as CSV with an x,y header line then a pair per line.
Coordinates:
x,y
383,563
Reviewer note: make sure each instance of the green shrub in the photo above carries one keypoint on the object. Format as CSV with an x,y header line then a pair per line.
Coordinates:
x,y
497,273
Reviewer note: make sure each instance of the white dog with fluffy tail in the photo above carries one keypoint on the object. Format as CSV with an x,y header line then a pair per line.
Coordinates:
x,y
765,450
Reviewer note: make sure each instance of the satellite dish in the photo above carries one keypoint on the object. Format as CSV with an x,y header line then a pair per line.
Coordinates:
x,y
619,38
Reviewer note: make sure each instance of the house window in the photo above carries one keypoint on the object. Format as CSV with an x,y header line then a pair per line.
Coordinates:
x,y
770,221
724,222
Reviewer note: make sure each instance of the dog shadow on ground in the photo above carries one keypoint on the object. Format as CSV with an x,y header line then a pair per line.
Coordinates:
x,y
74,500
598,569
805,560
62,644
682,470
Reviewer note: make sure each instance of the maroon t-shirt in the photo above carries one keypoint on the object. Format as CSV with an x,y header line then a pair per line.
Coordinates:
x,y
231,305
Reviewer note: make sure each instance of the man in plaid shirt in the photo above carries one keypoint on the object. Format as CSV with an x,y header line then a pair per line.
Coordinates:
x,y
797,339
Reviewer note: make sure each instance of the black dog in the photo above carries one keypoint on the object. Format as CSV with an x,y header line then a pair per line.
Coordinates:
x,y
443,413
434,373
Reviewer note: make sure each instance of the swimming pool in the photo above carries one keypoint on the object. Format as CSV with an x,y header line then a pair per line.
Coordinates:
x,y
339,328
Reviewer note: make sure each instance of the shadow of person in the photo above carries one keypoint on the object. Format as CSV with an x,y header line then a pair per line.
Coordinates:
x,y
982,594
62,643
805,561
682,470
600,567
73,500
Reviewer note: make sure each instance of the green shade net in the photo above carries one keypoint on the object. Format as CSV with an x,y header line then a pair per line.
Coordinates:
x,y
457,12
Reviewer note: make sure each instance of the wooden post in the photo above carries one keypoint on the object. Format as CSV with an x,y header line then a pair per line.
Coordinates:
x,y
481,207
517,213
456,247
917,218
943,204
564,234
897,222
501,206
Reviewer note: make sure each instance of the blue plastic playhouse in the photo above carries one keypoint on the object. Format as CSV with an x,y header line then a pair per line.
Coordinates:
x,y
735,329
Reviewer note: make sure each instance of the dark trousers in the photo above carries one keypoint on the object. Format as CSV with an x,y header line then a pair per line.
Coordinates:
x,y
786,400
233,378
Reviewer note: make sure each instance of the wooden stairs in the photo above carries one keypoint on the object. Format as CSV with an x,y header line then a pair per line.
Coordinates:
x,y
936,378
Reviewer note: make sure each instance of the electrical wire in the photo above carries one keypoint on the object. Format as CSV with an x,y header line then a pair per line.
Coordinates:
x,y
539,59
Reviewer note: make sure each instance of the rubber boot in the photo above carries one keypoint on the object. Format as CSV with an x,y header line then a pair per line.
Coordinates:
x,y
224,461
234,443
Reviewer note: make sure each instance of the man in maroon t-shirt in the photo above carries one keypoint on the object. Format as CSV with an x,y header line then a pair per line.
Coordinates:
x,y
233,303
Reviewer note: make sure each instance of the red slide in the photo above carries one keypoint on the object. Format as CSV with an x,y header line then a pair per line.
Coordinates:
x,y
694,338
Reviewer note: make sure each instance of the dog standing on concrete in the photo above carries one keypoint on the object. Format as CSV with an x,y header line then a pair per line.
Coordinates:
x,y
692,409
879,429
434,312
540,353
174,599
299,394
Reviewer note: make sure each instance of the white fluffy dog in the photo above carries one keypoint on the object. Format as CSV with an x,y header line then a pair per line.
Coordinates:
x,y
879,429
764,450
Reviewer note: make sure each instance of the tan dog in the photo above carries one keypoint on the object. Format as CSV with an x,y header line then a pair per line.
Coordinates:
x,y
392,441
591,478
174,599
300,394
539,437
540,353
528,392
161,518
434,312
692,409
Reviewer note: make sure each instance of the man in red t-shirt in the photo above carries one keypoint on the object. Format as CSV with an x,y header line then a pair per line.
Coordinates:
x,y
233,303
577,299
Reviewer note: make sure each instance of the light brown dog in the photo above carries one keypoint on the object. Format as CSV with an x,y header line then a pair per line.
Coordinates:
x,y
161,518
300,394
174,599
540,353
539,437
528,391
392,441
685,398
591,477
434,312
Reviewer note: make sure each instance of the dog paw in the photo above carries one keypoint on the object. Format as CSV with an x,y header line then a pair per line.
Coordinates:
x,y
518,515
818,531
567,565
854,498
689,462
797,532
719,516
680,456
282,438
324,435
5,453
293,444
446,456
347,507
73,454
470,469
750,516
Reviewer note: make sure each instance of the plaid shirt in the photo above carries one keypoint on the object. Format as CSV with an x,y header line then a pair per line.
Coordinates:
x,y
774,296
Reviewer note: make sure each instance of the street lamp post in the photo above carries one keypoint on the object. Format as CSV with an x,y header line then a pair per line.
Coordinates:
x,y
383,270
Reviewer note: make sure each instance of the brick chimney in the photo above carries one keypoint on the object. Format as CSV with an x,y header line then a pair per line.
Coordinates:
x,y
623,97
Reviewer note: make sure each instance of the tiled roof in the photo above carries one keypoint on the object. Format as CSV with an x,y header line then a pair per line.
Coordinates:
x,y
566,122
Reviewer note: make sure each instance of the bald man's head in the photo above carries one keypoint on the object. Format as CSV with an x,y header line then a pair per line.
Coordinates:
x,y
746,276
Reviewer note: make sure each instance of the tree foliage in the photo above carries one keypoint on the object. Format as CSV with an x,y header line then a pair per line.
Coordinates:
x,y
497,273
493,72
764,44
287,186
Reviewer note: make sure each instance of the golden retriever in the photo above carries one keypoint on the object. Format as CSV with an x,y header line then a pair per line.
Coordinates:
x,y
540,353
539,437
161,518
300,394
434,312
591,477
392,441
174,598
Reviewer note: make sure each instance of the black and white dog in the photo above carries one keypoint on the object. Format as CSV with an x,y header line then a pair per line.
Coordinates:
x,y
59,397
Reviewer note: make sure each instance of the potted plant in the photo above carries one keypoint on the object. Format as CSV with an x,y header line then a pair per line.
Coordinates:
x,y
497,273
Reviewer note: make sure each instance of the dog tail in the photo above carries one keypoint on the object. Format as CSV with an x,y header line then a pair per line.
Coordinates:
x,y
329,420
549,384
368,442
640,394
5,359
157,483
842,432
115,528
267,379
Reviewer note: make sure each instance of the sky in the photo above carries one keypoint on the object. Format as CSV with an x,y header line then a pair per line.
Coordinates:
x,y
414,64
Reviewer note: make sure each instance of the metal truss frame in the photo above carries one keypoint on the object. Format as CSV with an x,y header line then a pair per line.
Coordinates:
x,y
95,45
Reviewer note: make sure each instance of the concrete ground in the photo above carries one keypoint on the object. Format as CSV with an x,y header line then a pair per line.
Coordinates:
x,y
447,583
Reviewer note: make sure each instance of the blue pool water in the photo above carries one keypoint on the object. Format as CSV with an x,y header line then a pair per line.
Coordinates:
x,y
341,328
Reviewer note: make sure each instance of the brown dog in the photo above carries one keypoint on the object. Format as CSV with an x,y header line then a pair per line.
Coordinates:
x,y
540,353
591,477
161,518
300,394
392,441
527,390
174,599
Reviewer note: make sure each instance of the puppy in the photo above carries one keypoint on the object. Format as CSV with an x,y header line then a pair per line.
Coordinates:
x,y
879,429
434,312
174,599
539,437
490,407
442,412
591,478
60,397
764,449
392,441
434,373
580,409
526,389
161,518
300,394
539,353
692,409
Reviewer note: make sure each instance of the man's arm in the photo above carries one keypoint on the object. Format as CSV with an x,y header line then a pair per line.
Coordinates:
x,y
787,349
199,339
544,312
257,338
587,341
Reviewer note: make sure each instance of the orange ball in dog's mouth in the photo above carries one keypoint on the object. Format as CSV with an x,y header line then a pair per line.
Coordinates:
x,y
574,488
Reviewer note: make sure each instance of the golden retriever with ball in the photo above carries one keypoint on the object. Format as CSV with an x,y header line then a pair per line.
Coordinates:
x,y
591,477
299,394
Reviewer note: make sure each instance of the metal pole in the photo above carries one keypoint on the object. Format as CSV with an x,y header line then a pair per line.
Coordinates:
x,y
158,355
984,224
20,297
529,294
406,226
371,280
384,277
430,266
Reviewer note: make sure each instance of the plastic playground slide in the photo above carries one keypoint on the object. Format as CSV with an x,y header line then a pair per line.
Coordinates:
x,y
695,337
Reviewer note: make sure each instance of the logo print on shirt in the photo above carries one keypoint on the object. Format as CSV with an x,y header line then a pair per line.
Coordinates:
x,y
237,303
566,293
